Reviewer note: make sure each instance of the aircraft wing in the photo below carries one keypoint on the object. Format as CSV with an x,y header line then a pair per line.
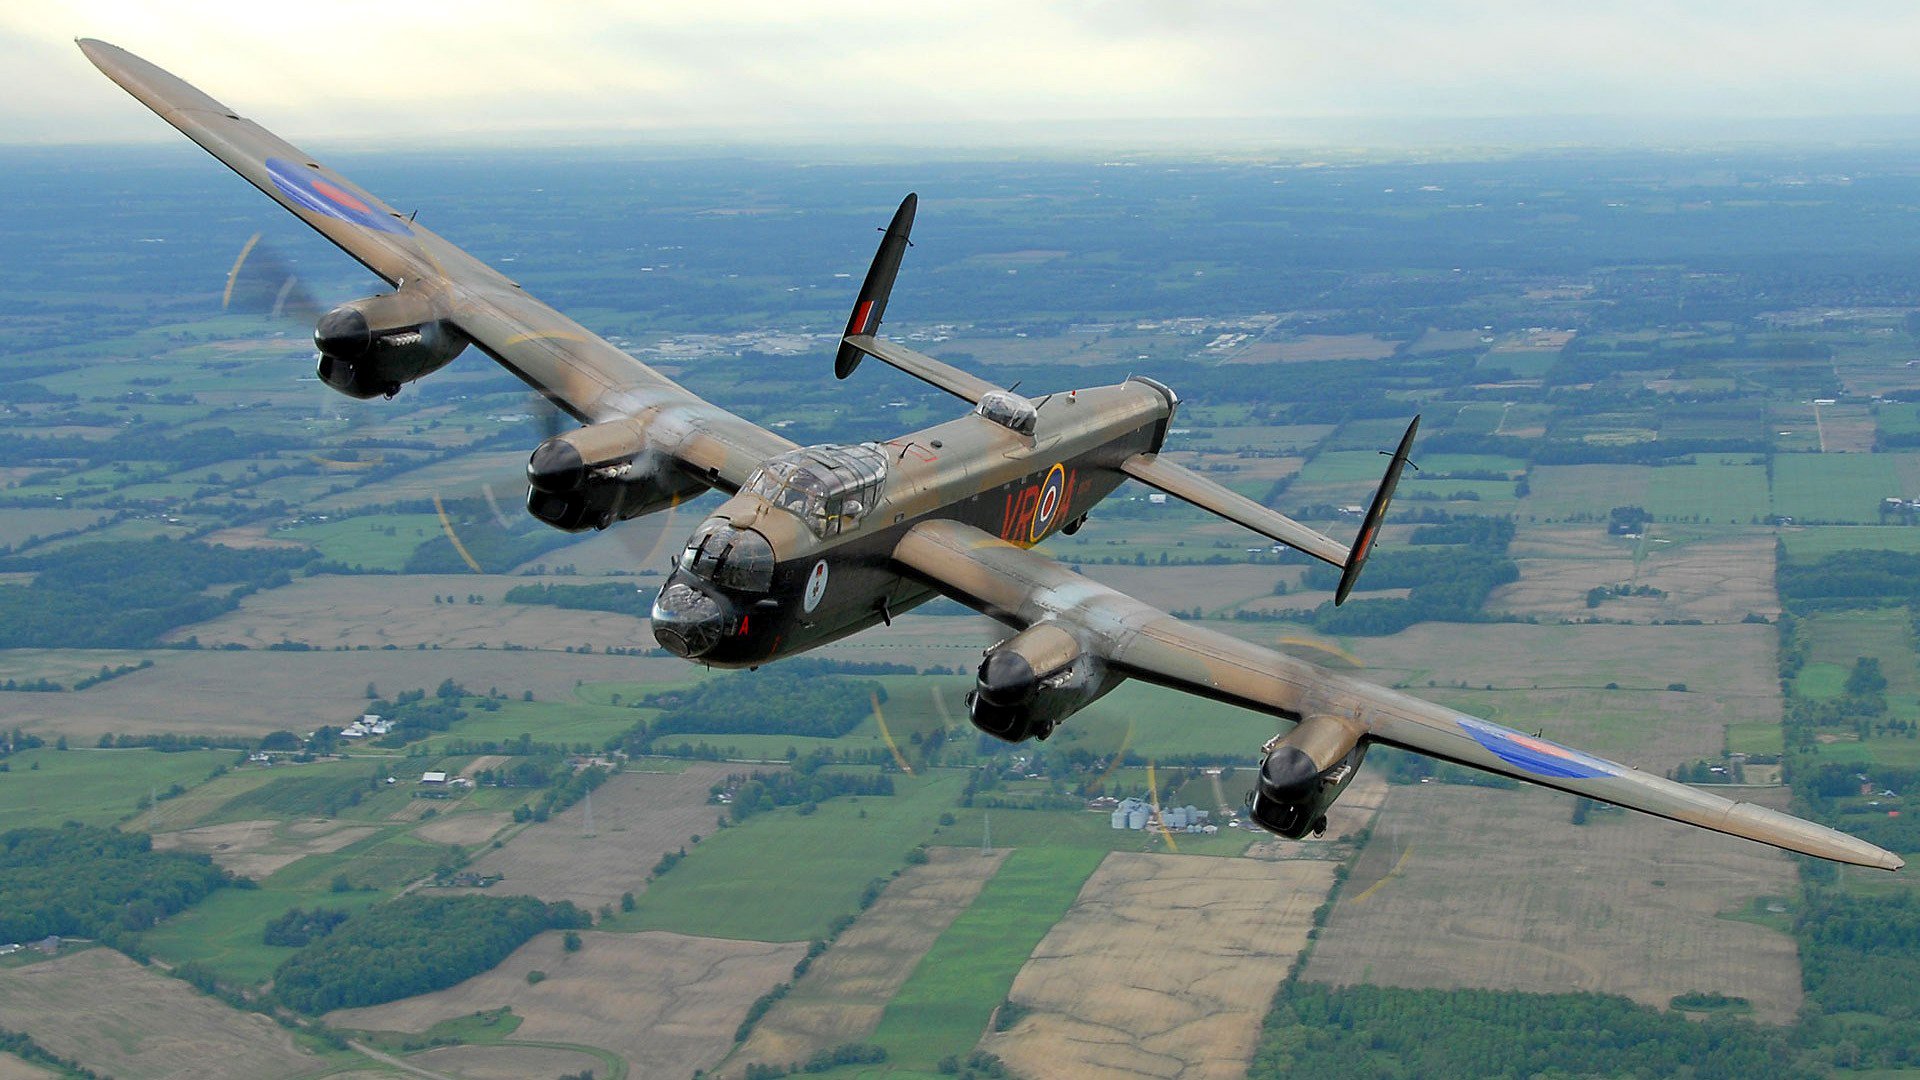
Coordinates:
x,y
1021,588
570,365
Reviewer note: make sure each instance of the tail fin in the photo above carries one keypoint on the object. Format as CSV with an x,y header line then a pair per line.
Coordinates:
x,y
1370,525
872,303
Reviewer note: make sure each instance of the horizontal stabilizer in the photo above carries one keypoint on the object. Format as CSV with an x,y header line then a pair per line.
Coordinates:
x,y
1370,525
1183,483
872,302
921,366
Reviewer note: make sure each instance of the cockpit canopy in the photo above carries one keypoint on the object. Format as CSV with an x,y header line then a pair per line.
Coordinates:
x,y
730,558
1009,410
828,487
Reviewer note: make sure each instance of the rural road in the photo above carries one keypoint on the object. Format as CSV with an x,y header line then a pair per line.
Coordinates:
x,y
388,1059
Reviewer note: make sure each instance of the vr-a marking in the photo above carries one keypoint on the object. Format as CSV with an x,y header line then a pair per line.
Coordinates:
x,y
1031,512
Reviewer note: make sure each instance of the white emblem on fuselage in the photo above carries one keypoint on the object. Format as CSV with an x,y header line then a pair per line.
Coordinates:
x,y
816,586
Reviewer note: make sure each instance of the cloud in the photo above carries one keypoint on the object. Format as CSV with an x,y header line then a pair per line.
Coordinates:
x,y
759,69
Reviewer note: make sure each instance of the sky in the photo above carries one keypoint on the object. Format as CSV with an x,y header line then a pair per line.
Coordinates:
x,y
977,70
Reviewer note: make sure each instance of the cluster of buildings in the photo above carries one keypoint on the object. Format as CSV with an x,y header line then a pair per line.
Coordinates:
x,y
370,724
1140,814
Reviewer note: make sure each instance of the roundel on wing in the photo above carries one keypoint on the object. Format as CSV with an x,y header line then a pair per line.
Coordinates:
x,y
816,586
311,191
1053,495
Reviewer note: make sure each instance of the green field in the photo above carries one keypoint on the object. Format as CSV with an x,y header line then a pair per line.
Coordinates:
x,y
1711,491
1839,638
1807,545
944,1006
374,542
94,787
1755,738
1559,492
1843,488
783,876
224,931
564,722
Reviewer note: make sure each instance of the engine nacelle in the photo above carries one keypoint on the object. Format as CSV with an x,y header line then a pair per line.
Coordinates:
x,y
1303,772
1032,681
368,348
593,476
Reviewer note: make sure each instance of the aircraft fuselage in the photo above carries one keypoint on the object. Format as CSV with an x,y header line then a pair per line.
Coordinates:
x,y
833,575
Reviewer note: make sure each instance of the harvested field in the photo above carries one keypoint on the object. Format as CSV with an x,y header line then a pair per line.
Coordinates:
x,y
109,1013
1451,892
211,691
505,1062
841,997
377,611
1555,677
256,849
1722,579
1315,347
637,817
668,1003
1162,968
465,829
13,1068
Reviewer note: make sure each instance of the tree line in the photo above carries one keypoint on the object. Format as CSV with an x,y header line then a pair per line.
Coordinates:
x,y
81,881
129,593
413,945
775,701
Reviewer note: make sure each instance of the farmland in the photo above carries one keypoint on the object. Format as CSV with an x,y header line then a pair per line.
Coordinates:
x,y
1161,968
1449,893
1658,360
155,1026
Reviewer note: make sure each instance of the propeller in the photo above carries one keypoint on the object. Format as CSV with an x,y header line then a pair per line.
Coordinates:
x,y
265,283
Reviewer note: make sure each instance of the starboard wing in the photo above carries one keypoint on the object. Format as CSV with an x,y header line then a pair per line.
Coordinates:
x,y
1020,587
567,363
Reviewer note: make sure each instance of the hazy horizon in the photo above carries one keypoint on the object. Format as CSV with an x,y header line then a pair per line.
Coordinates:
x,y
1104,73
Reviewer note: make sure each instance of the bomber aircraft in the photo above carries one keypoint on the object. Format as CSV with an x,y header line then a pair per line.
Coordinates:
x,y
816,543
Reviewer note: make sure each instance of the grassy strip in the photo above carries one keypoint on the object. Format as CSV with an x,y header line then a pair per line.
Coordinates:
x,y
945,1004
785,875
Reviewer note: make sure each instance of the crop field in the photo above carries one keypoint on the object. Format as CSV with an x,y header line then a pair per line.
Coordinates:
x,y
380,612
1472,887
1561,492
816,864
209,691
257,848
1730,492
1555,678
224,932
372,541
1163,967
1834,488
841,997
1718,578
1840,638
21,525
637,818
135,1023
1341,476
1812,544
667,1004
97,787
944,1006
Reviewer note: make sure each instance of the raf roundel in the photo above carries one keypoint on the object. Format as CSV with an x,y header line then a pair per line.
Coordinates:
x,y
816,586
311,191
1053,493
